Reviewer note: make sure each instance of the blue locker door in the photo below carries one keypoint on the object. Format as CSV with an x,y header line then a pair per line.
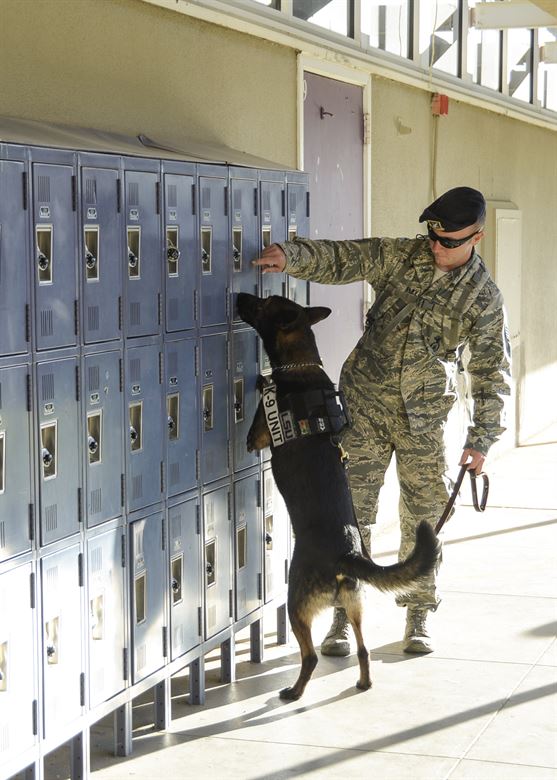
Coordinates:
x,y
54,262
15,462
248,545
145,431
273,229
58,448
217,561
102,436
106,610
100,254
61,639
244,237
18,662
182,415
213,245
298,225
143,277
181,251
184,535
214,408
148,589
244,395
276,531
14,259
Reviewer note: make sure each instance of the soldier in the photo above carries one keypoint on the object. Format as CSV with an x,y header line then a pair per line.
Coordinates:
x,y
434,296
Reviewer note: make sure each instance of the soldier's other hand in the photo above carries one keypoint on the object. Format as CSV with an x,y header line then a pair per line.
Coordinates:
x,y
473,459
272,260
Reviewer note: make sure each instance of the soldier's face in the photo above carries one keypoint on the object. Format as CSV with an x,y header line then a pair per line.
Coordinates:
x,y
449,259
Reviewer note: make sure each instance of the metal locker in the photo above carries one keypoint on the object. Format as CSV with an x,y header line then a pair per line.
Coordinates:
x,y
55,251
106,581
18,662
100,249
14,258
182,416
63,677
297,200
272,194
214,407
147,597
244,395
248,545
217,560
181,266
144,449
16,518
244,237
57,452
213,244
103,449
143,249
276,533
184,534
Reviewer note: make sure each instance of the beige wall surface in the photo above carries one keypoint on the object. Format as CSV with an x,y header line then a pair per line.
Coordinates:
x,y
129,67
507,160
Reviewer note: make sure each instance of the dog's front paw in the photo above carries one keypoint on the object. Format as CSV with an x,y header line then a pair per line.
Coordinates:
x,y
289,694
364,686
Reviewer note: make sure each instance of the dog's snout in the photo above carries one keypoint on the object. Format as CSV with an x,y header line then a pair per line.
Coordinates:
x,y
247,306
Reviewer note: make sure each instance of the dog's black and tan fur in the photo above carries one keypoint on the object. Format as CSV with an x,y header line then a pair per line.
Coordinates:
x,y
329,563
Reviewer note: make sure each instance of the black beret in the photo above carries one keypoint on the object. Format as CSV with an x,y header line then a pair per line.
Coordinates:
x,y
456,209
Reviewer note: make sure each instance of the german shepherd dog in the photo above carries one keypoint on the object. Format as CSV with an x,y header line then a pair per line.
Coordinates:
x,y
329,563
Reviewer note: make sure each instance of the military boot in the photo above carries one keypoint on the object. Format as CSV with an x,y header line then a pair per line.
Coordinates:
x,y
337,642
416,638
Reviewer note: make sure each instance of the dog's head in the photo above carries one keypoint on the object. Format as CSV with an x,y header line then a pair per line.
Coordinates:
x,y
284,325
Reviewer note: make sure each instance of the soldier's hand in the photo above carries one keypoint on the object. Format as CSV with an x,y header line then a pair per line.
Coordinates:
x,y
272,260
473,459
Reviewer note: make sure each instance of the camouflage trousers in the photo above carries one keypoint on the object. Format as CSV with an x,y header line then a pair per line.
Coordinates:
x,y
376,433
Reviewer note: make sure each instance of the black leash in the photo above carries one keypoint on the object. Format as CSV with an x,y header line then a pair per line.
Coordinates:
x,y
479,507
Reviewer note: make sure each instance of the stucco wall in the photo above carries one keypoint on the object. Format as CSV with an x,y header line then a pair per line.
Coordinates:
x,y
126,66
507,160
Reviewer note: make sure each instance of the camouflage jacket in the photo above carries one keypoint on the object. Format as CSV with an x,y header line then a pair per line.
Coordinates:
x,y
417,328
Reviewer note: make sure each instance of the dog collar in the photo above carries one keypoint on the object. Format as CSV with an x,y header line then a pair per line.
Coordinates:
x,y
290,366
307,413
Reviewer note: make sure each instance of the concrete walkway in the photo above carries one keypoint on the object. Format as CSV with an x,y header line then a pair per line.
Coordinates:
x,y
482,706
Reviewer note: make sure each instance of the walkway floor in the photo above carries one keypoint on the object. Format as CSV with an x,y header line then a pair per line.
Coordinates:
x,y
483,706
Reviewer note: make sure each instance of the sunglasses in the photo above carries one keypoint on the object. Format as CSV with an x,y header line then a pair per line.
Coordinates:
x,y
450,243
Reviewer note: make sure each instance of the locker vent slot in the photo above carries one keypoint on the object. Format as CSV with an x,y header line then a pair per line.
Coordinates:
x,y
52,577
141,657
242,546
205,197
266,200
47,322
137,487
237,200
133,193
176,526
2,469
175,473
93,378
135,313
93,317
96,501
90,190
135,369
51,517
140,599
173,363
96,559
172,196
2,534
47,387
292,201
43,188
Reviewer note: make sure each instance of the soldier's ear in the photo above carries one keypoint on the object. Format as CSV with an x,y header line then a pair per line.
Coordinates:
x,y
317,313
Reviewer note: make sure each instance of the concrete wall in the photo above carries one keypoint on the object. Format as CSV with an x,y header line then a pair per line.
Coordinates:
x,y
129,67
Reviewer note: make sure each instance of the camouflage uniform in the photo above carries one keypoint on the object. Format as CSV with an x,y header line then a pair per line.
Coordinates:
x,y
400,378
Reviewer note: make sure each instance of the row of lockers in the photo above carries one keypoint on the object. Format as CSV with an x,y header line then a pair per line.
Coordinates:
x,y
83,623
102,434
98,247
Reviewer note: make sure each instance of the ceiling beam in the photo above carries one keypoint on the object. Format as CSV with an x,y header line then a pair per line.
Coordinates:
x,y
509,14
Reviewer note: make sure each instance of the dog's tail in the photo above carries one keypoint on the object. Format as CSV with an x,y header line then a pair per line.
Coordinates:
x,y
399,576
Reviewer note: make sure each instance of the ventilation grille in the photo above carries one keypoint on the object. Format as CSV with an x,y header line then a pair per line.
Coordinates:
x,y
96,501
43,189
94,378
96,559
2,534
135,313
174,474
205,198
51,517
91,190
173,363
176,525
133,193
237,200
172,196
266,200
135,369
93,317
137,487
47,322
47,387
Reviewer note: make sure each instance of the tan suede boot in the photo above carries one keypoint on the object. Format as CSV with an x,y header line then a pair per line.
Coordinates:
x,y
416,638
337,641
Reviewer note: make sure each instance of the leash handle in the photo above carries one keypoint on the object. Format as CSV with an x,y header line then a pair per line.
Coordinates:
x,y
478,506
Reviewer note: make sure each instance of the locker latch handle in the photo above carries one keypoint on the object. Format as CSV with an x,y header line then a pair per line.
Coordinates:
x,y
47,457
209,568
43,261
175,585
90,260
92,445
132,259
133,434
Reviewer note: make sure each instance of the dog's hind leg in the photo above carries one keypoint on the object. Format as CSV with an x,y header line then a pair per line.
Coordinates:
x,y
302,632
354,613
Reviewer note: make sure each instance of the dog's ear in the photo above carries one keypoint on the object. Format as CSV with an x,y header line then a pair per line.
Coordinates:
x,y
317,313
